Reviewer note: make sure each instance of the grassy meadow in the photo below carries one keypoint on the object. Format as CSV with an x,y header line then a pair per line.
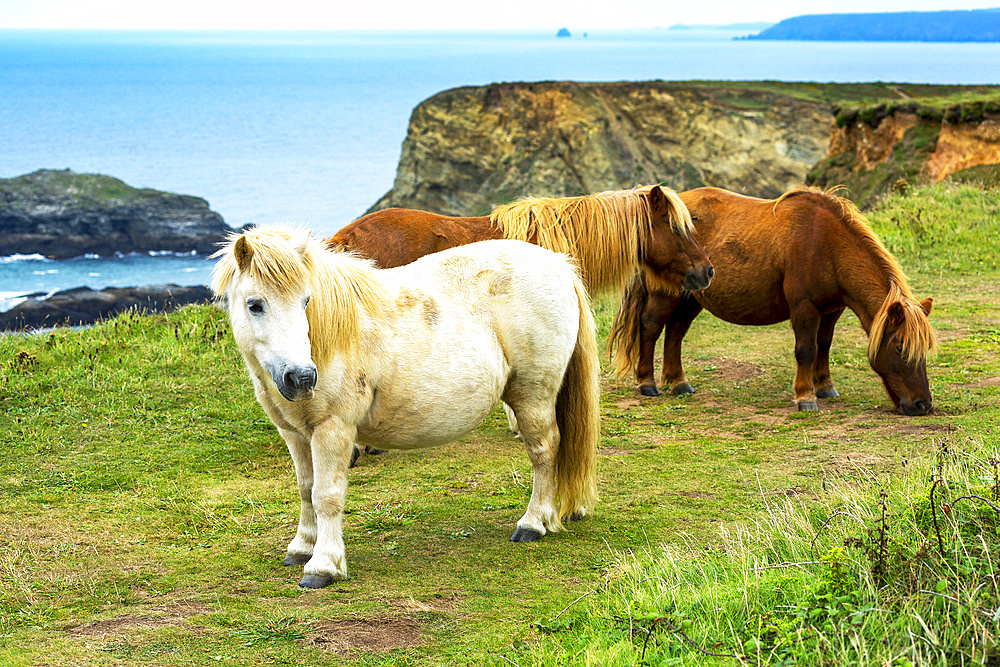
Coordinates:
x,y
146,502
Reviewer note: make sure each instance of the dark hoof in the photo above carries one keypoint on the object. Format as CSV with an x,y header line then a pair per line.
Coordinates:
x,y
297,559
647,390
683,388
808,406
827,393
316,581
373,451
577,516
525,535
354,456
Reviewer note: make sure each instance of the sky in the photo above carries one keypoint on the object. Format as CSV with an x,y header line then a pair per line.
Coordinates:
x,y
428,14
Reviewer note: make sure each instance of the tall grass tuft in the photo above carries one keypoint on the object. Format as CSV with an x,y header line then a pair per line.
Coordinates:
x,y
895,570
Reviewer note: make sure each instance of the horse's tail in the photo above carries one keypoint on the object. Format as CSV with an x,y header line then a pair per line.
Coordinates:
x,y
578,417
623,340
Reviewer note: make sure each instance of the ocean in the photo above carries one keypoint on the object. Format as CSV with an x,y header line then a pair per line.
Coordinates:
x,y
306,127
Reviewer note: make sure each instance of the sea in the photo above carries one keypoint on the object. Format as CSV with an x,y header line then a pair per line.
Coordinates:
x,y
306,127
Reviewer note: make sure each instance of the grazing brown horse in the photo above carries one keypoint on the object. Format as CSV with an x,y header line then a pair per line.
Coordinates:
x,y
610,234
805,256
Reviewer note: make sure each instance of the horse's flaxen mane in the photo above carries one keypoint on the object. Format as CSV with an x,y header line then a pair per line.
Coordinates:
x,y
606,232
285,261
915,335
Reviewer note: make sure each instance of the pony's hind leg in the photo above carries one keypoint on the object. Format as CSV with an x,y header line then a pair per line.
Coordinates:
x,y
822,381
300,549
541,439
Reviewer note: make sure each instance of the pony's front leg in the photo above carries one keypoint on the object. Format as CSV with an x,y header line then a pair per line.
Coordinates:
x,y
821,367
805,324
300,549
541,438
682,314
332,446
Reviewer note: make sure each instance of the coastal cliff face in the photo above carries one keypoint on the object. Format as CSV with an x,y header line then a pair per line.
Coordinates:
x,y
470,148
61,214
872,150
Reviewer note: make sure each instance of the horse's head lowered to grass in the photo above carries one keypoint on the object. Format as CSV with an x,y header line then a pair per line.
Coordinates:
x,y
265,277
899,342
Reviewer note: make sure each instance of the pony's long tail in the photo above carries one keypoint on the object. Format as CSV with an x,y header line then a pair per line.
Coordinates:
x,y
623,340
578,417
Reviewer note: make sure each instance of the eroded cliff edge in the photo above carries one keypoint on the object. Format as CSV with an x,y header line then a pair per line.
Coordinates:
x,y
470,148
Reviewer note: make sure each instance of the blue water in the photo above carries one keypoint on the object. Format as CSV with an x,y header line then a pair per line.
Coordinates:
x,y
306,127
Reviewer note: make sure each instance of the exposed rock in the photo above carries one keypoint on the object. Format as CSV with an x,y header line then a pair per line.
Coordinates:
x,y
63,214
469,148
83,305
873,149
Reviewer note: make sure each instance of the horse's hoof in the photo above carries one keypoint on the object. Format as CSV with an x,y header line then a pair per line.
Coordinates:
x,y
296,559
373,451
647,390
807,406
683,388
525,535
315,581
577,516
827,393
355,453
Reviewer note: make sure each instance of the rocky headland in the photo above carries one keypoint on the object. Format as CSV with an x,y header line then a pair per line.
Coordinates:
x,y
62,214
83,305
468,149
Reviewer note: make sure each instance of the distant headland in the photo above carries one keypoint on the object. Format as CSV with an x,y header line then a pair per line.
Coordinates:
x,y
972,25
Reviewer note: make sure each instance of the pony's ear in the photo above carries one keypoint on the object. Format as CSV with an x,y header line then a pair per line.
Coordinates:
x,y
302,242
926,305
895,315
658,203
242,252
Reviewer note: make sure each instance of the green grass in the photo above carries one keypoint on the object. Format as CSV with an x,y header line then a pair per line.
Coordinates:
x,y
146,501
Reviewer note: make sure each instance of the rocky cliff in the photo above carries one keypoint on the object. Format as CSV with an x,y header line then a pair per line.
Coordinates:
x,y
63,214
83,305
469,148
873,149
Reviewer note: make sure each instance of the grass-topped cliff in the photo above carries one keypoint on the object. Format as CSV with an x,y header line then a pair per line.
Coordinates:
x,y
897,141
145,503
61,213
470,148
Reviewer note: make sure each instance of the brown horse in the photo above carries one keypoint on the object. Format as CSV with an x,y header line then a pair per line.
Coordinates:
x,y
610,234
805,256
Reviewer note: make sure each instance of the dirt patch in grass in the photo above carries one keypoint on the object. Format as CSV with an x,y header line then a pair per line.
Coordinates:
x,y
985,382
613,451
125,624
734,370
377,634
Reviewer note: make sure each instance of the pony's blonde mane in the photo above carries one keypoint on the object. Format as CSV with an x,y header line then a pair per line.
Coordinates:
x,y
606,232
342,286
916,334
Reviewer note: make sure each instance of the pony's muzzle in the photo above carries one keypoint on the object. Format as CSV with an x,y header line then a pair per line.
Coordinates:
x,y
916,408
297,383
699,277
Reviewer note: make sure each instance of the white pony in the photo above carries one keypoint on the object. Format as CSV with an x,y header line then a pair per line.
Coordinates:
x,y
341,352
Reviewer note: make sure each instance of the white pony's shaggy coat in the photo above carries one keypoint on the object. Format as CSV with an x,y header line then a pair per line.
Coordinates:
x,y
413,357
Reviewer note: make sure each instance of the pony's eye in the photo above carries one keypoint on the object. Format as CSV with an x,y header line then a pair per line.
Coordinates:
x,y
899,348
255,307
305,302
